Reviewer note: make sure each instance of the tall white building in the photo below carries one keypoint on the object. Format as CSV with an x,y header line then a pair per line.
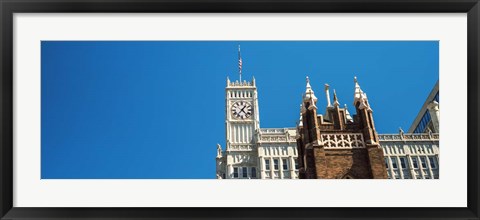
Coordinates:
x,y
252,152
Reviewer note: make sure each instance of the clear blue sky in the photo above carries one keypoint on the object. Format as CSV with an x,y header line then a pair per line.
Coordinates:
x,y
156,109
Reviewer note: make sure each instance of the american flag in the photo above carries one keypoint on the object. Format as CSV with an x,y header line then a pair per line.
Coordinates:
x,y
239,61
240,65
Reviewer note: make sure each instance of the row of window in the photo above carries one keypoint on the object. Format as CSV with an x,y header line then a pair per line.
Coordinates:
x,y
241,94
277,175
419,149
243,172
393,150
419,174
404,164
280,151
276,165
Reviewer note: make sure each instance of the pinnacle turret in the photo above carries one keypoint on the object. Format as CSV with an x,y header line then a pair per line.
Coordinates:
x,y
309,96
327,94
335,99
360,96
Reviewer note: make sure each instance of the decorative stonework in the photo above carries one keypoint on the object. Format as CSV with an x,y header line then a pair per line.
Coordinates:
x,y
343,140
241,148
276,135
273,130
240,84
275,139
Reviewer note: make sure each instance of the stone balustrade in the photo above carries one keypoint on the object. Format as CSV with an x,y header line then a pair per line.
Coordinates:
x,y
409,137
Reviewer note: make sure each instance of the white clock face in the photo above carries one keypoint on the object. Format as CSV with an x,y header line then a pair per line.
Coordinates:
x,y
242,110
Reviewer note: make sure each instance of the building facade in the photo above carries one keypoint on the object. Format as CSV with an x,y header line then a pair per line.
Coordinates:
x,y
277,153
411,156
334,145
252,152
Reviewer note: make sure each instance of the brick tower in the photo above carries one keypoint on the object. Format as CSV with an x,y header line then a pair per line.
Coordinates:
x,y
337,146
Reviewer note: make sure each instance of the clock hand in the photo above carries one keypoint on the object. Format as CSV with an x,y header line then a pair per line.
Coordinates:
x,y
242,109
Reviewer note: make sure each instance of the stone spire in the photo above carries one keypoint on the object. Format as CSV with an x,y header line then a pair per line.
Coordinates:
x,y
327,93
360,96
347,114
335,99
358,91
309,96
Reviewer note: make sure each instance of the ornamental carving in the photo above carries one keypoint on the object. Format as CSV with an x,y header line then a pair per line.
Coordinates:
x,y
343,141
241,147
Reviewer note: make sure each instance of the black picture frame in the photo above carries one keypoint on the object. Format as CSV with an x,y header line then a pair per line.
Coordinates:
x,y
9,7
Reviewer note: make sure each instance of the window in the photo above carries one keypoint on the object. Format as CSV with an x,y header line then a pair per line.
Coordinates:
x,y
433,163
223,176
267,164
244,172
386,162
394,163
403,162
424,162
275,164
296,164
415,162
235,172
285,164
423,123
254,173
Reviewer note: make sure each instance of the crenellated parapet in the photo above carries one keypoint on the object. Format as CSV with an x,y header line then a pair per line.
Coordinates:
x,y
237,83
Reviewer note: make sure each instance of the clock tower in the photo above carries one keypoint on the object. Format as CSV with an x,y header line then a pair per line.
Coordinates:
x,y
251,152
240,159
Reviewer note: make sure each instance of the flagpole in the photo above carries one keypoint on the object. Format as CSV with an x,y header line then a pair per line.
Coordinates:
x,y
239,63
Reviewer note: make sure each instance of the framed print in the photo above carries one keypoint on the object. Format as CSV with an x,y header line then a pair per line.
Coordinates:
x,y
118,109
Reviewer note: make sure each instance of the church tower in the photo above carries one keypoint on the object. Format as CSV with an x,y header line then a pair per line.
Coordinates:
x,y
337,146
